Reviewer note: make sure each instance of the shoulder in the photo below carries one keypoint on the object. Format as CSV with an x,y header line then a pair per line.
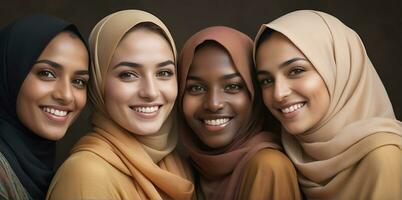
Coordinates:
x,y
85,164
83,175
10,185
270,160
383,159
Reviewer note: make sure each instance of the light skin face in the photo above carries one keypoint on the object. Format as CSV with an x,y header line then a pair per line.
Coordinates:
x,y
292,89
141,84
216,102
54,92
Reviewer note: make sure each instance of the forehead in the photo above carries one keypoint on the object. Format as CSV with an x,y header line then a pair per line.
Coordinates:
x,y
143,47
66,49
212,61
276,49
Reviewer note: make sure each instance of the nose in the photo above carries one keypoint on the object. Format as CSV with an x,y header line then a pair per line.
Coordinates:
x,y
214,100
149,89
282,89
63,92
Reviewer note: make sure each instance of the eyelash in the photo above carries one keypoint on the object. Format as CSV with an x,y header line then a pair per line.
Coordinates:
x,y
128,75
232,88
296,71
196,89
266,81
80,83
293,73
48,75
165,74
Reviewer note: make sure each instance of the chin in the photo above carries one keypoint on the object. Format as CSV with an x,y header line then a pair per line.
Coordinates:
x,y
215,142
53,135
145,130
295,130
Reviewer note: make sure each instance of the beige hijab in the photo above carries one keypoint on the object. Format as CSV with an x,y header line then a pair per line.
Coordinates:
x,y
360,118
134,155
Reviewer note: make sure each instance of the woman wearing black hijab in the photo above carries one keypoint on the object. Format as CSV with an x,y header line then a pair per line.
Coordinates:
x,y
43,75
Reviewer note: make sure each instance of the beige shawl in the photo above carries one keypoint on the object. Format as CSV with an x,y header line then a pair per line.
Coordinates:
x,y
333,157
156,172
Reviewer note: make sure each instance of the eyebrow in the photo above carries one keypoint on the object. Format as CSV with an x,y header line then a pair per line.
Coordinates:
x,y
224,77
49,62
230,76
288,62
58,66
136,65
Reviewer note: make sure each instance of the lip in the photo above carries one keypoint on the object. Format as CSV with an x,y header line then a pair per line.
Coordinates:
x,y
54,118
215,128
144,115
293,114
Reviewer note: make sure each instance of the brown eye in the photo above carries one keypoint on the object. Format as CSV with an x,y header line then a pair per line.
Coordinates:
x,y
296,71
127,76
266,81
80,83
196,89
46,74
165,74
233,88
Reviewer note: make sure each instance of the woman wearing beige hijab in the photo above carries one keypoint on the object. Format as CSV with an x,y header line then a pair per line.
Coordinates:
x,y
130,152
339,128
233,156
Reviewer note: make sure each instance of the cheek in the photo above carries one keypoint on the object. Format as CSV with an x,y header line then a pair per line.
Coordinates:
x,y
80,97
118,93
169,90
241,104
315,90
33,90
190,105
267,95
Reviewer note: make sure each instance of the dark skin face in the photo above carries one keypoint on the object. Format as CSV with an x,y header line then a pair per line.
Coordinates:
x,y
216,102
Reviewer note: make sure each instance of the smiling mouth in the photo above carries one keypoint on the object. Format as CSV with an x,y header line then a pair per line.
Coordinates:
x,y
216,124
145,109
146,112
55,112
292,108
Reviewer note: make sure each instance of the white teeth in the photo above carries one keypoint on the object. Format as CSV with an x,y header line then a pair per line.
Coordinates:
x,y
146,109
292,108
59,113
216,122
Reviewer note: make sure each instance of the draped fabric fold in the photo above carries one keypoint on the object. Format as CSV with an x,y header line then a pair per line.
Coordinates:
x,y
21,43
360,120
137,166
222,169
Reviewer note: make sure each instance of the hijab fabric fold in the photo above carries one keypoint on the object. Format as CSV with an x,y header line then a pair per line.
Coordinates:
x,y
21,43
221,169
134,155
360,117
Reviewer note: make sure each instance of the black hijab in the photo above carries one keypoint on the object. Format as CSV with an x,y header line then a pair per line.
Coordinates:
x,y
21,43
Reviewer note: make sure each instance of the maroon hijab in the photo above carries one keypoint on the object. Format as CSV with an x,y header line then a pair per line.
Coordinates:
x,y
221,170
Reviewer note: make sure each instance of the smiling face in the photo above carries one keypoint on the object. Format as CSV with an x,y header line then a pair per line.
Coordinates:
x,y
292,88
216,102
141,85
54,92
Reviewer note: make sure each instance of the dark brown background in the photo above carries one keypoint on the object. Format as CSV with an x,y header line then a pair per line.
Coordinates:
x,y
379,24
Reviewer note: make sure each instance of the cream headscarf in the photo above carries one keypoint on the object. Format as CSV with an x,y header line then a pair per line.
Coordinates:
x,y
134,155
360,117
